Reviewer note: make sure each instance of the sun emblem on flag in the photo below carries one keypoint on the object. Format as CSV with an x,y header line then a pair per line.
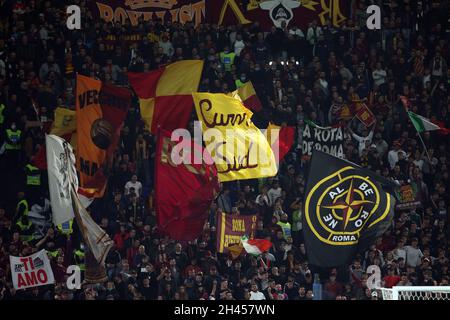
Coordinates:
x,y
350,205
342,204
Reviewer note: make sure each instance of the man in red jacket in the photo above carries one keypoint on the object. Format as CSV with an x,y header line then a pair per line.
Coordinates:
x,y
391,279
120,238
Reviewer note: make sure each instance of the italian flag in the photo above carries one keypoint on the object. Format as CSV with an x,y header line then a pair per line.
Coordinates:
x,y
422,124
255,246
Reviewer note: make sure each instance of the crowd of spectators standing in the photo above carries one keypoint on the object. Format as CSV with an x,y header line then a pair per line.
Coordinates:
x,y
299,74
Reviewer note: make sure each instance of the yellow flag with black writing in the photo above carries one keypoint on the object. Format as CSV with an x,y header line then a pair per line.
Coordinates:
x,y
239,149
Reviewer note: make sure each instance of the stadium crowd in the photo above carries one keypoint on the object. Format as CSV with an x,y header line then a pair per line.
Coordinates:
x,y
299,74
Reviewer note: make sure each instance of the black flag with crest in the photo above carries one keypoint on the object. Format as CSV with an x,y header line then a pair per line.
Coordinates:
x,y
346,208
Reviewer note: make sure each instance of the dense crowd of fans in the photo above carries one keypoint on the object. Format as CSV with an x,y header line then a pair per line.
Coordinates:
x,y
299,74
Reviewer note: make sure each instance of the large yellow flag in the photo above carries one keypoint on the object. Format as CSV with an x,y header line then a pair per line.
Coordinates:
x,y
239,149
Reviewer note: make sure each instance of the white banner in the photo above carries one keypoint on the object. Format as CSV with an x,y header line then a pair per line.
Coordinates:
x,y
329,140
31,271
61,172
98,240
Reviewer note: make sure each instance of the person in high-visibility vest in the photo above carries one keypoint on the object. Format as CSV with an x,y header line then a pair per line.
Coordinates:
x,y
285,226
33,182
240,81
227,58
26,229
53,253
78,256
22,206
13,144
65,228
13,136
33,175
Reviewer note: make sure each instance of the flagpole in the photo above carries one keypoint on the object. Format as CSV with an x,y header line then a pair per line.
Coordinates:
x,y
262,260
424,146
405,103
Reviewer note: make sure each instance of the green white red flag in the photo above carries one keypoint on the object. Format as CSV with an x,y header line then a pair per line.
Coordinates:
x,y
256,246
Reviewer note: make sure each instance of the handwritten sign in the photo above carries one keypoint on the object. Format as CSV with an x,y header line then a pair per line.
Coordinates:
x,y
239,149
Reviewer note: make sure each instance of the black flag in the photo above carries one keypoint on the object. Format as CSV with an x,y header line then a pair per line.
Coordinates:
x,y
346,209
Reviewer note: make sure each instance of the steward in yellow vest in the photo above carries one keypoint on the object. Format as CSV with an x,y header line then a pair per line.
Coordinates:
x,y
65,228
13,136
285,226
26,229
227,58
22,206
33,175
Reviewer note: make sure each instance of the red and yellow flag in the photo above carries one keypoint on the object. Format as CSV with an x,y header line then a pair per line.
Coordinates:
x,y
100,111
165,94
184,190
281,140
247,95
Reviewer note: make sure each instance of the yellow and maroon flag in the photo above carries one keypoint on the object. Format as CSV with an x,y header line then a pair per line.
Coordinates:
x,y
247,94
165,95
365,115
100,111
